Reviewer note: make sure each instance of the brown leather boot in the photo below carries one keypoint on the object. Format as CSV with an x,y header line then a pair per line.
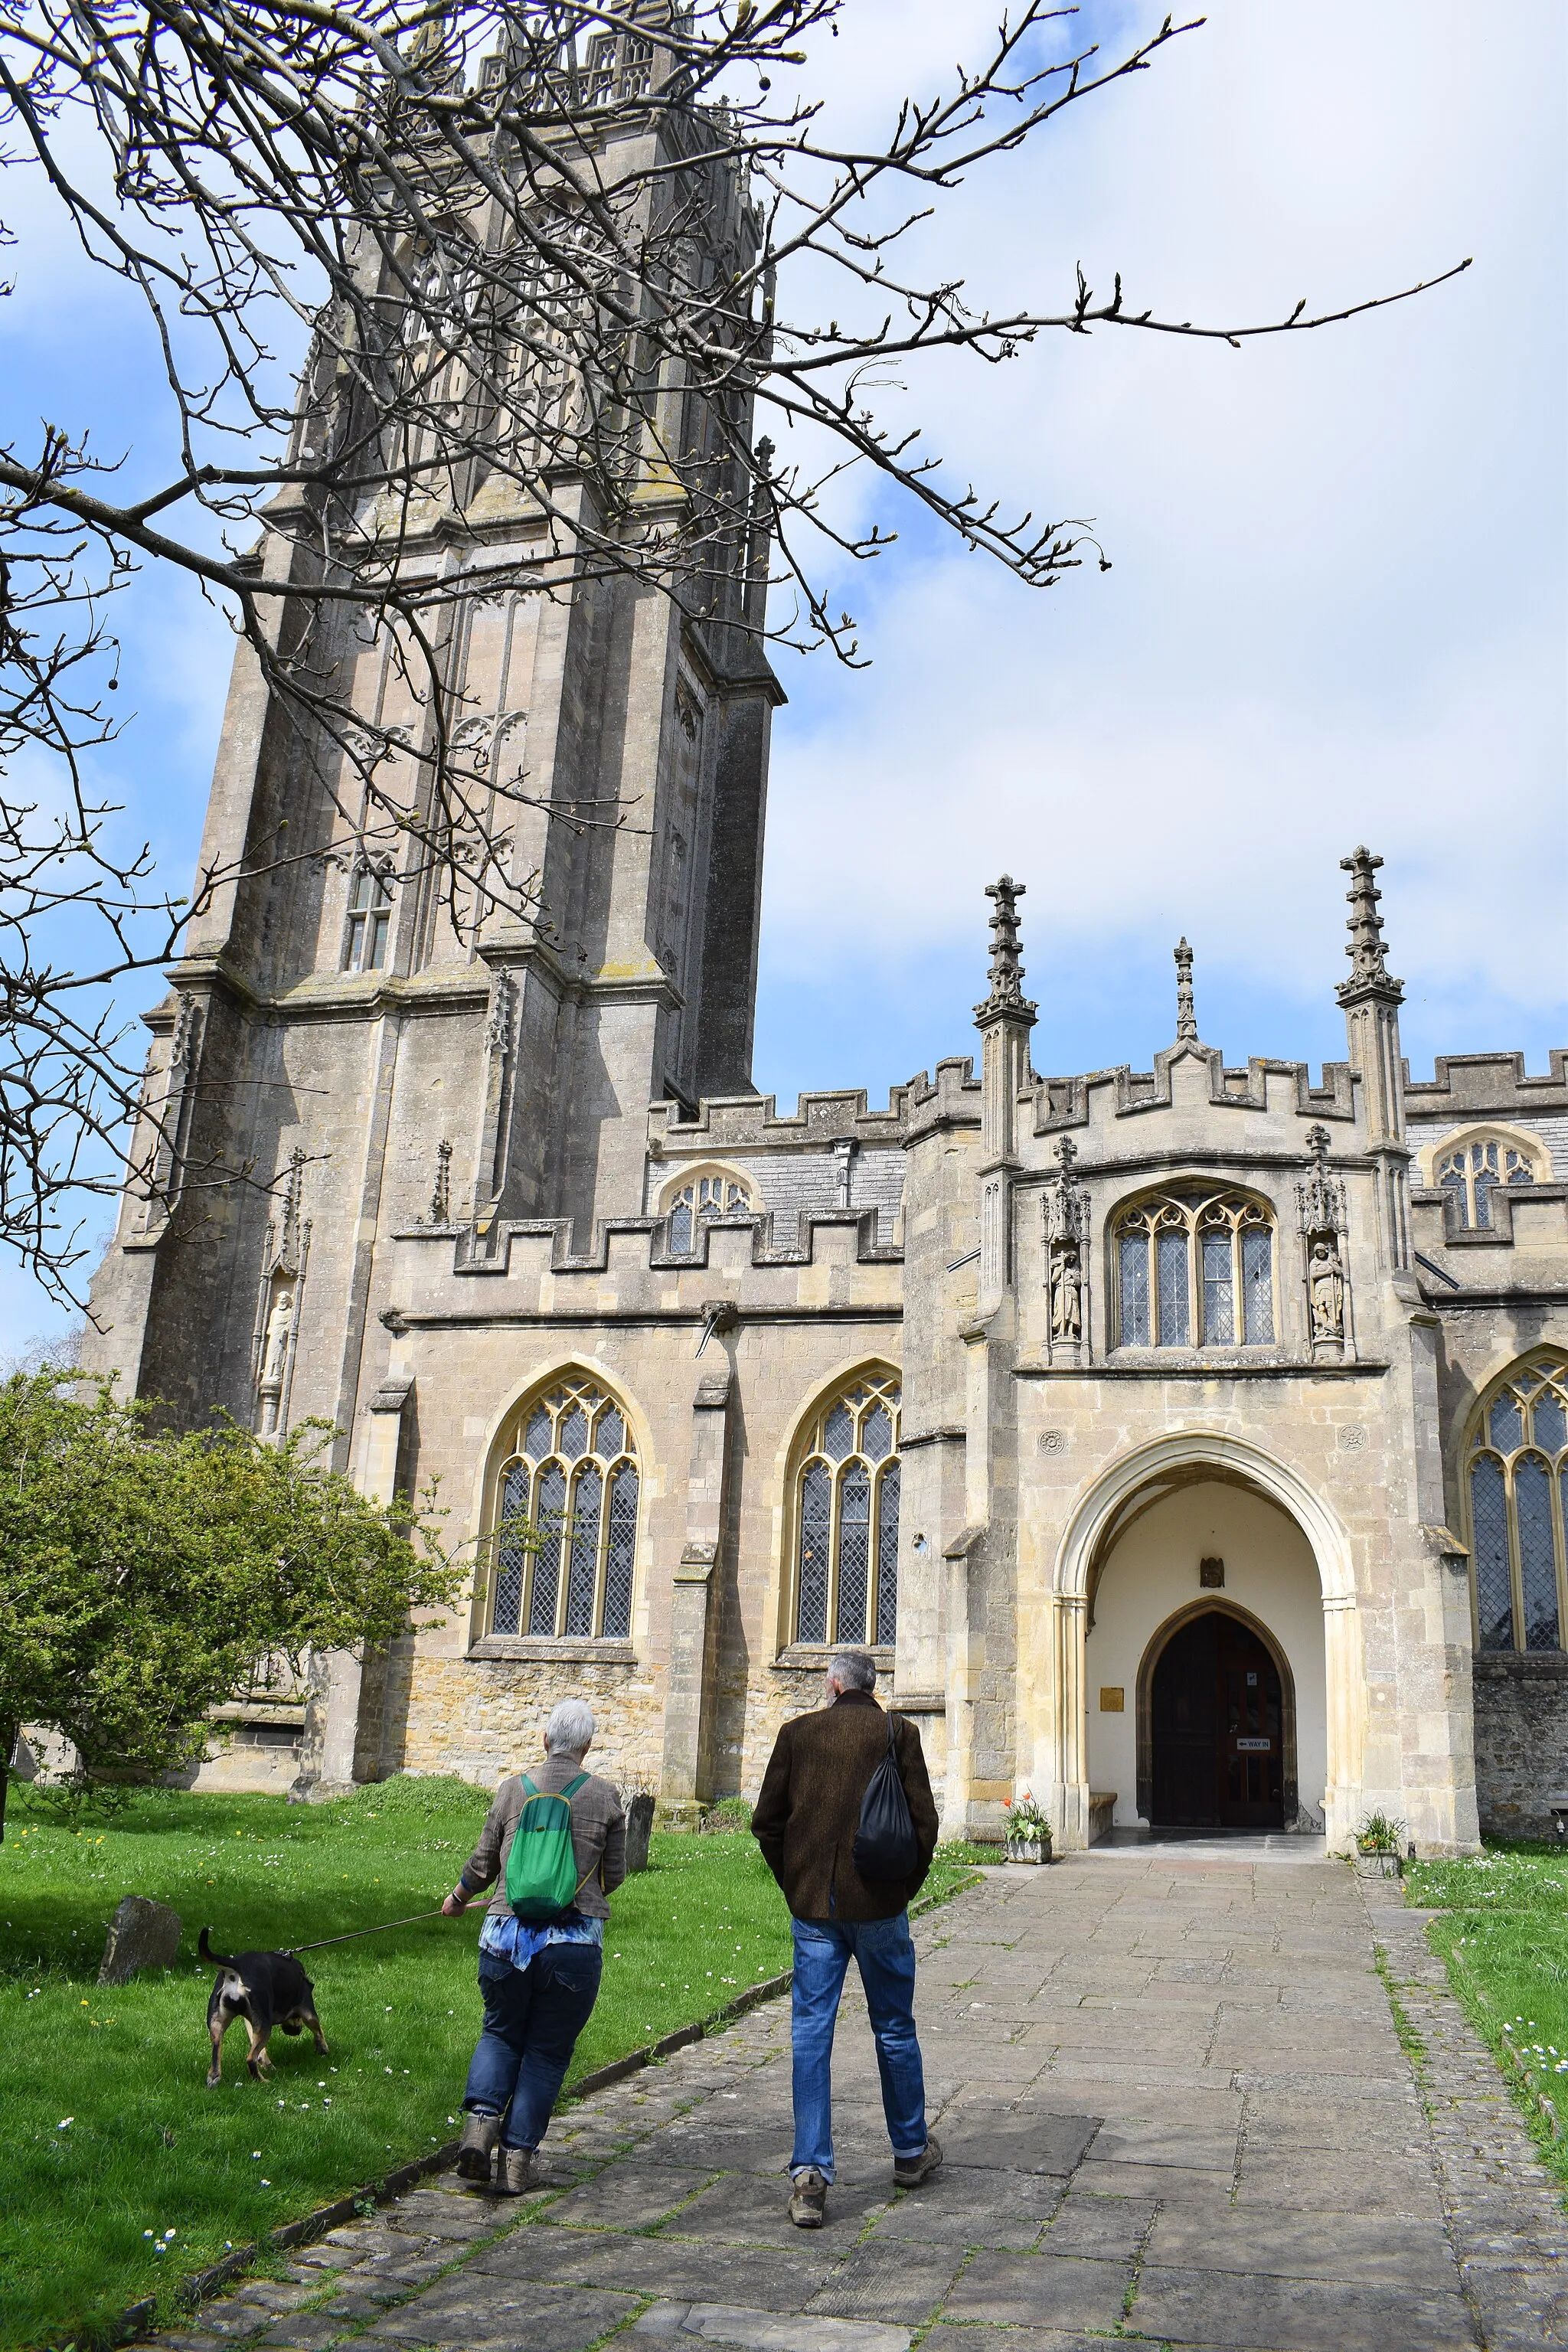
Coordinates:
x,y
477,2146
515,2173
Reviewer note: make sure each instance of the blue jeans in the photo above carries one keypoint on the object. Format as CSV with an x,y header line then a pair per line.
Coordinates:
x,y
532,2019
886,1958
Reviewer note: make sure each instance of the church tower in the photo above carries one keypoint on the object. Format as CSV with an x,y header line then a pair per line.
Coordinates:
x,y
337,1060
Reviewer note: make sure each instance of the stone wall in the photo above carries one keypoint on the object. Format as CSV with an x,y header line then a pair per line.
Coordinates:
x,y
1521,1741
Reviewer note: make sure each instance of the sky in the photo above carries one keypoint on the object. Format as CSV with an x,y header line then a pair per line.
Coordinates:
x,y
1336,605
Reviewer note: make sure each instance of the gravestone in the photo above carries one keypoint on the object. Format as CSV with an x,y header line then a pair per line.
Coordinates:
x,y
639,1822
141,1935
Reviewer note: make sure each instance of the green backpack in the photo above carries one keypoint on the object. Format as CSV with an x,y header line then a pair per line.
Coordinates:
x,y
542,1868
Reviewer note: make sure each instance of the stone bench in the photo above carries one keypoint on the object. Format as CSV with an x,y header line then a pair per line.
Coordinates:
x,y
1101,1809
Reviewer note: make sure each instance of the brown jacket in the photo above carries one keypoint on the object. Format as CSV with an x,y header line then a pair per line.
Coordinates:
x,y
599,1837
809,1809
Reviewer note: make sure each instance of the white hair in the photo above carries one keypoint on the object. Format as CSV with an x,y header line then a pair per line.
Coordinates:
x,y
570,1729
853,1669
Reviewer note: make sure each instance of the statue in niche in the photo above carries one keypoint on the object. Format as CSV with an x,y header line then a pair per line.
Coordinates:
x,y
1326,1285
275,1346
1067,1296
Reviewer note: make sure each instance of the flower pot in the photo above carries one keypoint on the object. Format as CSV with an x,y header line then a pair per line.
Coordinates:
x,y
1380,1863
1035,1849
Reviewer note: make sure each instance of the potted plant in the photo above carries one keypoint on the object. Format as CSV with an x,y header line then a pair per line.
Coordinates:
x,y
1028,1834
1378,1843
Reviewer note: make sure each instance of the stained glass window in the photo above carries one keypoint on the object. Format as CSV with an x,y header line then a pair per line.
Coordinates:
x,y
1518,1475
846,1564
1209,1249
1258,1284
1175,1304
816,1550
1473,1170
567,1523
700,1199
1537,1563
888,1556
1219,1324
1136,1331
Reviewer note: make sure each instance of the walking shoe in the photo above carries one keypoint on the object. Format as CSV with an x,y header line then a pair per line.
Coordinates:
x,y
477,2146
808,2199
514,2174
908,2171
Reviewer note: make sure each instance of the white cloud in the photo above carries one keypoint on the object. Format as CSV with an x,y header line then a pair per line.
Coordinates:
x,y
1337,606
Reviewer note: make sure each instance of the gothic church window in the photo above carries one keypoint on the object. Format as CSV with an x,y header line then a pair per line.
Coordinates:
x,y
846,1493
1471,1170
715,1192
1196,1269
369,920
1517,1476
566,1518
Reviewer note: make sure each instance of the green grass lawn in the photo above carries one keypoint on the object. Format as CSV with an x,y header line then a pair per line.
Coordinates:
x,y
112,2140
1503,1933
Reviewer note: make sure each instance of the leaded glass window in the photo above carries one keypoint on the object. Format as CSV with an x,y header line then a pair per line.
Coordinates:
x,y
699,1201
1210,1251
1517,1474
847,1559
1472,1171
567,1519
369,920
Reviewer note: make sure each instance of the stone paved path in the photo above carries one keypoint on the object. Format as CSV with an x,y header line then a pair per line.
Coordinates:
x,y
1175,2109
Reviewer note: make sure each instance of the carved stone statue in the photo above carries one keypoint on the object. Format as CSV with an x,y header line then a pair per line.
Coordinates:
x,y
275,1347
1067,1296
1326,1283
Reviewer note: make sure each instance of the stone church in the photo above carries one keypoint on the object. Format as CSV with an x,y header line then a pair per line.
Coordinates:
x,y
1190,1444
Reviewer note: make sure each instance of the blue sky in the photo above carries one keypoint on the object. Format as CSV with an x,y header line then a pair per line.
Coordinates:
x,y
1337,606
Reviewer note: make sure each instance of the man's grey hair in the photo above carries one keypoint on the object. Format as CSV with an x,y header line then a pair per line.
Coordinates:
x,y
570,1729
853,1669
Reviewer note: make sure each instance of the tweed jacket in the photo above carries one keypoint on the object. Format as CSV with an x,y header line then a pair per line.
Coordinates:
x,y
599,1837
809,1809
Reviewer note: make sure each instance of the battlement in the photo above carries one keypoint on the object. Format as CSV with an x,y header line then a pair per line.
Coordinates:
x,y
1067,1102
644,1243
1487,1085
724,1123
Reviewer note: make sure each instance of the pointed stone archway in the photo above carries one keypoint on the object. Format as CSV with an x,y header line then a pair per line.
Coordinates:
x,y
1094,1522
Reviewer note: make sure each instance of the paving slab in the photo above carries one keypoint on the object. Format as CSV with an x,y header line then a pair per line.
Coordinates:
x,y
1218,2308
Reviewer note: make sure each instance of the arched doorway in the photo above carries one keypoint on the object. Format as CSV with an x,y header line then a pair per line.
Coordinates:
x,y
1216,1726
1311,1619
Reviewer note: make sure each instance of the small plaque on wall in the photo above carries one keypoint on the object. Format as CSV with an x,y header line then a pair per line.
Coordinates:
x,y
1112,1698
1210,1575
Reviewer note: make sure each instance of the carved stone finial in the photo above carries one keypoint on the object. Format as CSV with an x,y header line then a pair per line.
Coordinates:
x,y
1007,959
1187,1019
1370,975
1318,1140
1067,1152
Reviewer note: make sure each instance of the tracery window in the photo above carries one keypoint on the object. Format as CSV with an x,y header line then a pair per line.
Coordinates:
x,y
1472,1171
1517,1474
566,1518
370,918
847,1496
714,1194
1196,1269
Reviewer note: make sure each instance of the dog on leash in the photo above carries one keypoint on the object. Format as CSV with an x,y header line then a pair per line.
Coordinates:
x,y
266,1989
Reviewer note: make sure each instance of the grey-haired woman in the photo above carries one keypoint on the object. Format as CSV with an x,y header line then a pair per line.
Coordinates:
x,y
539,1983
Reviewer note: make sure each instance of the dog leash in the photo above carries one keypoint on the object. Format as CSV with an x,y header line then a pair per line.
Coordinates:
x,y
355,1932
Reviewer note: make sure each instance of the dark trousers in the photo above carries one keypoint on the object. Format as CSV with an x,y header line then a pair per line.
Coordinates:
x,y
532,2019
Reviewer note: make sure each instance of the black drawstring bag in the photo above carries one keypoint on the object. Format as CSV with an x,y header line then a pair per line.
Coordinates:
x,y
885,1843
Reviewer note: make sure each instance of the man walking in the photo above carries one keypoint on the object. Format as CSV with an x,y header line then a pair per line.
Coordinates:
x,y
805,1820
